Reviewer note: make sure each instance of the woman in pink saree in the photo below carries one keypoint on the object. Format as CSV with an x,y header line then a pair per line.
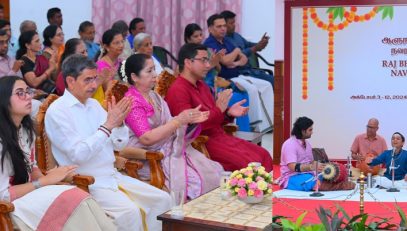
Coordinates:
x,y
153,128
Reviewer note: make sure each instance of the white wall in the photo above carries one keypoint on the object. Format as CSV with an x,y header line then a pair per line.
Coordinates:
x,y
76,11
279,30
258,17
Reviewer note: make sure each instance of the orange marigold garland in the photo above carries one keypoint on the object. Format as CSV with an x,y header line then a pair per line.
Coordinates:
x,y
330,53
348,18
305,54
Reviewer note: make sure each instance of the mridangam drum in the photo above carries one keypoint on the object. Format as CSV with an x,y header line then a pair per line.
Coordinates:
x,y
334,172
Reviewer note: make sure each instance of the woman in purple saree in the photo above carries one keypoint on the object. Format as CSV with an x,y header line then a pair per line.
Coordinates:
x,y
153,128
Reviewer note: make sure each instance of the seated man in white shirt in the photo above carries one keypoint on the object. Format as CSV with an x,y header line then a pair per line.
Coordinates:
x,y
82,133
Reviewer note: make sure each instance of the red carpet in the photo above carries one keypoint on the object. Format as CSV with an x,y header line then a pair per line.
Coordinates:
x,y
294,207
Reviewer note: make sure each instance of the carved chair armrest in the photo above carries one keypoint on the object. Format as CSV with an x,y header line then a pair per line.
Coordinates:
x,y
199,144
131,168
152,155
5,221
230,129
157,177
133,153
201,139
83,182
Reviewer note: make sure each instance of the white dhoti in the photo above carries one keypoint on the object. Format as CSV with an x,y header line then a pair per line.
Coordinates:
x,y
261,99
124,206
387,183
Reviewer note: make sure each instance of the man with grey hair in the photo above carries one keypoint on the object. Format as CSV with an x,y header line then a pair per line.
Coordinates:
x,y
82,133
27,25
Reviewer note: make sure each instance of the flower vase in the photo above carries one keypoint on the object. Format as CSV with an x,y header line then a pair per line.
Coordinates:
x,y
251,199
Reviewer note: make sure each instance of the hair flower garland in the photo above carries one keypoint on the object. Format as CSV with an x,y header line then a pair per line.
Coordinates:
x,y
123,71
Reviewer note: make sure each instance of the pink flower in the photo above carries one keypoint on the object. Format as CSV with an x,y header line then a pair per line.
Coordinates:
x,y
258,193
253,185
259,178
241,183
269,186
242,193
233,181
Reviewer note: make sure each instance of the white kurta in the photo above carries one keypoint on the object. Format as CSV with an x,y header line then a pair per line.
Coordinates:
x,y
72,128
261,100
157,66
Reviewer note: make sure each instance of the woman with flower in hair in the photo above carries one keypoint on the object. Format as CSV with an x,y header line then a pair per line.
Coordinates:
x,y
153,128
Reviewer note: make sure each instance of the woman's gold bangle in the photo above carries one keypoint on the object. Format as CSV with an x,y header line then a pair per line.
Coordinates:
x,y
176,123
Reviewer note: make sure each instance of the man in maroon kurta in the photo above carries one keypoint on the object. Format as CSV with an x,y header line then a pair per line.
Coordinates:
x,y
189,90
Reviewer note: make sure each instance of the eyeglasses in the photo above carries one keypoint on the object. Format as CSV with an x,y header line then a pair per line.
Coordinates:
x,y
22,95
203,59
371,127
90,80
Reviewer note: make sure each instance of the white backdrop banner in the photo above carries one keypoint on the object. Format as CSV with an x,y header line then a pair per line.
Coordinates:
x,y
349,64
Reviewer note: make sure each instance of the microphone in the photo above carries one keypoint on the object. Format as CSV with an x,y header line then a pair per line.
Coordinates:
x,y
349,168
316,193
392,168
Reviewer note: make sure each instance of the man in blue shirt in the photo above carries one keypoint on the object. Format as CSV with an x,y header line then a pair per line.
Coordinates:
x,y
235,62
136,26
87,33
233,67
399,156
247,47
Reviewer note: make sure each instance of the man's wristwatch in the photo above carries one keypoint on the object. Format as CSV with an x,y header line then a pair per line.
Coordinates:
x,y
36,184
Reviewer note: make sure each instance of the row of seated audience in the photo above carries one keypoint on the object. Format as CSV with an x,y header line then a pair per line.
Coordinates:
x,y
83,135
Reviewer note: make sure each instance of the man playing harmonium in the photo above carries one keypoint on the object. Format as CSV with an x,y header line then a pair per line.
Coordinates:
x,y
298,165
368,145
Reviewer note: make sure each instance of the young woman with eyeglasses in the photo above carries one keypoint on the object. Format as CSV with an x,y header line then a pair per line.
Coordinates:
x,y
35,196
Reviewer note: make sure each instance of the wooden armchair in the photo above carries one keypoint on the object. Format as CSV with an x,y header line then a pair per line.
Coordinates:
x,y
45,159
157,177
45,162
5,220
